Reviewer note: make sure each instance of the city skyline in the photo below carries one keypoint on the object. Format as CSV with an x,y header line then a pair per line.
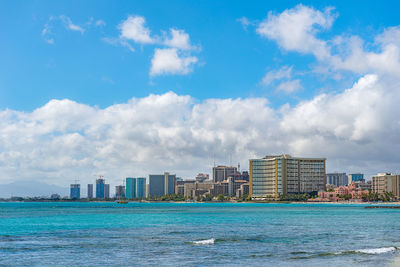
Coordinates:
x,y
141,92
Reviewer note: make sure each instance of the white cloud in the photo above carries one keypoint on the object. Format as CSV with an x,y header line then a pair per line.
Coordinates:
x,y
295,29
289,86
357,130
133,28
100,23
245,22
282,73
169,61
71,26
179,39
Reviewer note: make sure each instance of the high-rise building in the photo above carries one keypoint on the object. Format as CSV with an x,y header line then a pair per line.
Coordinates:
x,y
281,175
355,177
75,191
135,187
140,187
386,182
90,191
100,188
161,184
106,191
221,173
337,179
120,191
130,187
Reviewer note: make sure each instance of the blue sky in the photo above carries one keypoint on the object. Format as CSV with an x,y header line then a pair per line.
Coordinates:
x,y
130,88
231,63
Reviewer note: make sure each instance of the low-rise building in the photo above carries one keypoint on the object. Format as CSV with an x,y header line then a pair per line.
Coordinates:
x,y
341,192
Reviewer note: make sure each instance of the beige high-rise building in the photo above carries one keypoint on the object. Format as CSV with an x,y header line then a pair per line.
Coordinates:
x,y
386,182
283,174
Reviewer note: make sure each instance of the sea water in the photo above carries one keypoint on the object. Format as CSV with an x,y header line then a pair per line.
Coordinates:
x,y
197,234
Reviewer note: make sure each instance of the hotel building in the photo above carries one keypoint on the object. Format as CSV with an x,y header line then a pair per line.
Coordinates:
x,y
283,174
161,184
386,182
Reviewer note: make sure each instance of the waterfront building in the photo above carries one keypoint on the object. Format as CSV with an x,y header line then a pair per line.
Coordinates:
x,y
363,185
234,185
100,188
221,173
106,191
386,182
120,191
75,191
337,179
338,194
283,174
243,190
193,188
140,187
90,191
354,177
161,184
130,187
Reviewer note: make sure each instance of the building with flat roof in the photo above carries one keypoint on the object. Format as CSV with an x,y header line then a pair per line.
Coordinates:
x,y
120,191
161,184
130,187
140,187
221,173
90,191
386,182
106,191
75,191
284,174
337,179
100,188
354,177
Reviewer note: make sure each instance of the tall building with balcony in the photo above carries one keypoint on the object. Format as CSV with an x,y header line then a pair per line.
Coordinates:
x,y
221,173
386,182
75,191
284,174
90,191
161,184
100,188
337,179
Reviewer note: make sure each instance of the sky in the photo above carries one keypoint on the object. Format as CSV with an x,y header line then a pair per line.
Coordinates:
x,y
130,88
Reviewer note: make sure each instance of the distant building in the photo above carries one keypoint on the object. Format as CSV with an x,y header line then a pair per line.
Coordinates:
x,y
281,175
338,193
130,188
75,191
386,182
140,187
354,177
161,184
221,173
90,191
120,191
243,190
201,177
337,179
100,188
106,191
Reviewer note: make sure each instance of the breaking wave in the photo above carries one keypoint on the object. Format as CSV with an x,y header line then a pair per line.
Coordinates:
x,y
377,250
205,242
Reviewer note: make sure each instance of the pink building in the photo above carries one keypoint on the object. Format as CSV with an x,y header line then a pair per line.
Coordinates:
x,y
355,192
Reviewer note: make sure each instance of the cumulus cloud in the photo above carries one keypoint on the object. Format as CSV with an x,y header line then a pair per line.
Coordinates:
x,y
179,39
270,76
357,130
169,61
133,28
289,86
295,29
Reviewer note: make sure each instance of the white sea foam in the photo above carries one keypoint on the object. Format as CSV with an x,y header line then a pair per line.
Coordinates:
x,y
205,242
377,250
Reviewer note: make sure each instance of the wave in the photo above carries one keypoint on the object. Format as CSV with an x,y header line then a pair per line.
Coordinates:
x,y
377,250
204,242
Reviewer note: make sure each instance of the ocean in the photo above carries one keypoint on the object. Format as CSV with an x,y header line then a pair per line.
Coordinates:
x,y
197,234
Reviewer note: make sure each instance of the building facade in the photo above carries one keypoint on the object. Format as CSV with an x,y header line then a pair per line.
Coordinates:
x,y
106,191
337,179
283,174
90,191
354,177
161,184
130,187
221,173
140,187
100,188
120,192
75,191
386,182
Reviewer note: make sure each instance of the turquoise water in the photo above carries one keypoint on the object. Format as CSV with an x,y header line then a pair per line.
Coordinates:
x,y
196,234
